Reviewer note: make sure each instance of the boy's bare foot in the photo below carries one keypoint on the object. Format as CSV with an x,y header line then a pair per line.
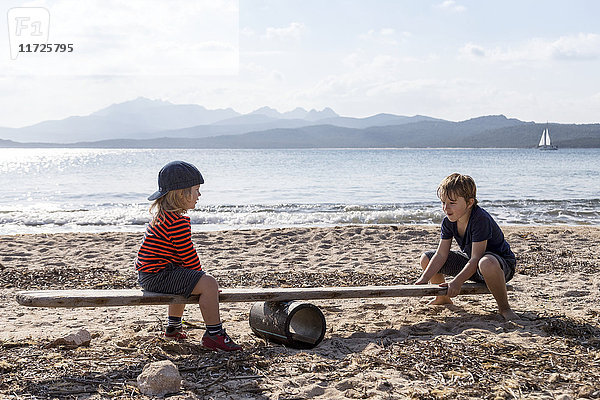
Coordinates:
x,y
440,301
508,314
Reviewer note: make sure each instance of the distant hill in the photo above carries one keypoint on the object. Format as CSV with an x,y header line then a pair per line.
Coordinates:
x,y
161,115
144,123
137,119
143,118
297,113
417,135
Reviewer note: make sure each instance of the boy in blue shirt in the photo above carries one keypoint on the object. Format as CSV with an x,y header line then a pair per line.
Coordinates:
x,y
485,257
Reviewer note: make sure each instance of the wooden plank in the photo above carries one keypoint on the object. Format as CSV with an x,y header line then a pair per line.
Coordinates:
x,y
135,297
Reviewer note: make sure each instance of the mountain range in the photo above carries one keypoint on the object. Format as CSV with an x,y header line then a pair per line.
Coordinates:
x,y
145,123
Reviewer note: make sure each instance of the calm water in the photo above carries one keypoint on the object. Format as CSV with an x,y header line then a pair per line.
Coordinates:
x,y
57,190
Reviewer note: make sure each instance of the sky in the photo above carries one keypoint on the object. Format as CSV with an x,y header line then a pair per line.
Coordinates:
x,y
535,60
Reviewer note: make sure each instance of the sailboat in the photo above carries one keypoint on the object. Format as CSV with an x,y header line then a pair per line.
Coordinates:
x,y
545,143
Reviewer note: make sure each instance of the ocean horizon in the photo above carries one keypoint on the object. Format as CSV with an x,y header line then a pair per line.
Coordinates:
x,y
99,190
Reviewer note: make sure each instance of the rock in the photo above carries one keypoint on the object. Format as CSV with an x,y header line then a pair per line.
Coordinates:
x,y
159,378
73,340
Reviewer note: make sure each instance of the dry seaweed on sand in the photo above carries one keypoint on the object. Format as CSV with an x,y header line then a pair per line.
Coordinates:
x,y
446,366
303,278
65,278
104,278
110,371
573,330
489,369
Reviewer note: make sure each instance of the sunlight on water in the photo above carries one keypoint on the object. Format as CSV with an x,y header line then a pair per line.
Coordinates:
x,y
99,190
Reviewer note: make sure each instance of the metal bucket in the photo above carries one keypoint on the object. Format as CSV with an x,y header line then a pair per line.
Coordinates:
x,y
292,323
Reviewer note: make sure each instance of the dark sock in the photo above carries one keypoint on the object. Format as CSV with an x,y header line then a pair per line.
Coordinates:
x,y
174,324
214,329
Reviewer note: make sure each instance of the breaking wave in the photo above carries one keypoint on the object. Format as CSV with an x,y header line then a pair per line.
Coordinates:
x,y
133,217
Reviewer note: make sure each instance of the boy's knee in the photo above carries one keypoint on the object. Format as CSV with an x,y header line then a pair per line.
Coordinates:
x,y
488,264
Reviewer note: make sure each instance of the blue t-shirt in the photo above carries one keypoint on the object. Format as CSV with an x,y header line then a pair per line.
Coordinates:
x,y
481,226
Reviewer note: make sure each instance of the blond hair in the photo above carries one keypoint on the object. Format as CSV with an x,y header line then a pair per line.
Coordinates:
x,y
457,185
173,201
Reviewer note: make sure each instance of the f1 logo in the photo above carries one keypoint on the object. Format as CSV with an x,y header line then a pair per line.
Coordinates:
x,y
27,25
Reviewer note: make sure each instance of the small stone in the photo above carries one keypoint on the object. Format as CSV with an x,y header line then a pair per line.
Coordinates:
x,y
73,340
159,378
564,397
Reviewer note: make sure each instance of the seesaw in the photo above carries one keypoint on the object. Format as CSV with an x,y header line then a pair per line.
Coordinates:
x,y
277,315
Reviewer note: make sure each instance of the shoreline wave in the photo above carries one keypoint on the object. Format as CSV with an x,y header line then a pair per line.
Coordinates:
x,y
132,217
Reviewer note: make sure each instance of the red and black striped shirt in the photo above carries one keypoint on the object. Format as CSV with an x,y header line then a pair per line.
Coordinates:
x,y
168,242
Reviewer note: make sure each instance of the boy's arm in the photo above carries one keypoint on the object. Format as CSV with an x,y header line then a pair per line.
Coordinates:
x,y
477,251
436,262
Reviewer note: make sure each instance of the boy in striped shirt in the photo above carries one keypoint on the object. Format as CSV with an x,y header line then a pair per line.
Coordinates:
x,y
167,261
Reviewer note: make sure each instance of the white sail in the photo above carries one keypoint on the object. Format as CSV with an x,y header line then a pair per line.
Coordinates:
x,y
543,138
545,141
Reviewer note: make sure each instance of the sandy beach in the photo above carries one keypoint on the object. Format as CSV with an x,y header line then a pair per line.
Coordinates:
x,y
392,348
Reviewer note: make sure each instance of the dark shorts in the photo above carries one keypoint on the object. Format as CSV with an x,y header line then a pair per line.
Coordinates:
x,y
174,279
457,260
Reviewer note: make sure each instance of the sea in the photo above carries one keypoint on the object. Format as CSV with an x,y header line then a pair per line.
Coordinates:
x,y
99,190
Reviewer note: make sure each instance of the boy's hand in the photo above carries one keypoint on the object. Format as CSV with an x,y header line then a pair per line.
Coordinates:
x,y
453,288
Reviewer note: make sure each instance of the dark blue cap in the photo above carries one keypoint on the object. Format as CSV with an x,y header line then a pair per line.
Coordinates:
x,y
176,175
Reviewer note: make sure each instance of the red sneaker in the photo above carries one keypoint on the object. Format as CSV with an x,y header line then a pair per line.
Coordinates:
x,y
220,341
177,334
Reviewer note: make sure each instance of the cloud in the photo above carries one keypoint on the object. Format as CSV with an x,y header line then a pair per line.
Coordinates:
x,y
367,76
292,31
385,36
471,49
365,73
581,47
451,6
405,86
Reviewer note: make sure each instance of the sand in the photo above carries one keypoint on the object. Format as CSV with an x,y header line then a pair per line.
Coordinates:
x,y
373,348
